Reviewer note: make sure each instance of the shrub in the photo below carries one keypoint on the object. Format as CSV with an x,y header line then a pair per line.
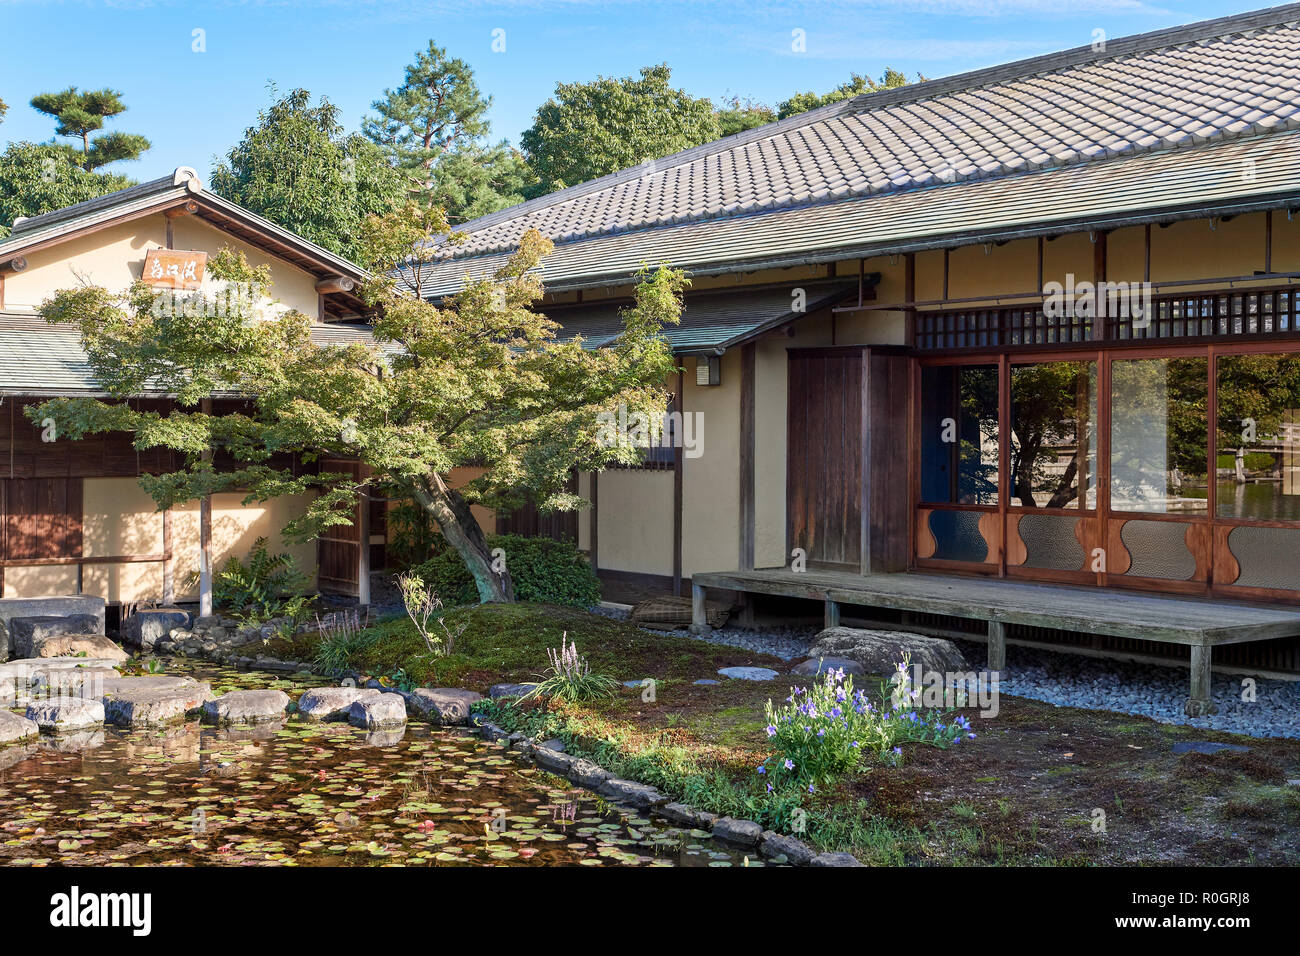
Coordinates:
x,y
570,678
265,586
422,604
545,571
832,729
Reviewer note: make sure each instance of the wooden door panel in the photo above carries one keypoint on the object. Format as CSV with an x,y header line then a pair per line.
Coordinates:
x,y
824,455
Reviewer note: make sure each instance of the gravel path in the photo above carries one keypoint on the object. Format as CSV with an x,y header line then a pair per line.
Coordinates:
x,y
787,643
1069,680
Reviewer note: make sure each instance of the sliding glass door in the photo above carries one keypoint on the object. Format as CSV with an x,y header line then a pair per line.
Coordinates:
x,y
1102,467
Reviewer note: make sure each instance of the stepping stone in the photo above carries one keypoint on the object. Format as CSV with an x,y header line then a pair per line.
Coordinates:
x,y
144,629
382,712
150,701
509,690
331,703
707,682
246,707
819,665
445,706
66,714
14,728
748,673
1206,747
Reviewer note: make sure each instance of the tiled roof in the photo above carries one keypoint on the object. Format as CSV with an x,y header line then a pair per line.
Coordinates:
x,y
710,320
158,194
37,358
1190,87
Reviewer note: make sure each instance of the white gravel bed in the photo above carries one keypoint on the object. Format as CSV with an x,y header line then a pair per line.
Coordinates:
x,y
1070,680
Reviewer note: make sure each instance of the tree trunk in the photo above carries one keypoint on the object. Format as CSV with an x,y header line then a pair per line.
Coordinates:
x,y
456,521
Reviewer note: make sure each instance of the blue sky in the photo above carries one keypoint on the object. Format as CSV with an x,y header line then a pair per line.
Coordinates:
x,y
194,106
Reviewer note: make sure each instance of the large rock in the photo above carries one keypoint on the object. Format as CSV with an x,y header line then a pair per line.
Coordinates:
x,y
246,707
331,703
381,712
144,629
820,665
778,845
14,728
11,608
150,701
69,645
689,816
739,832
66,714
835,859
880,652
26,632
629,791
448,706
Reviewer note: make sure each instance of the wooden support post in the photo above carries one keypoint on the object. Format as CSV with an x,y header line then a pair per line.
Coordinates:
x,y
748,355
831,618
363,554
594,543
997,646
205,535
169,585
699,621
745,615
679,467
1200,703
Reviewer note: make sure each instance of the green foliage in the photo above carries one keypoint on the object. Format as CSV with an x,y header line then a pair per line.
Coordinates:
x,y
587,130
856,85
434,128
569,677
412,535
1252,461
262,587
830,729
298,169
736,115
41,178
543,570
480,380
81,113
339,649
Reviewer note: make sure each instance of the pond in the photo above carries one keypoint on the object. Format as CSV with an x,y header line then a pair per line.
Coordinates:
x,y
304,793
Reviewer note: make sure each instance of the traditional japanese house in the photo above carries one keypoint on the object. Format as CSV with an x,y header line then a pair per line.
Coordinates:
x,y
1013,353
73,518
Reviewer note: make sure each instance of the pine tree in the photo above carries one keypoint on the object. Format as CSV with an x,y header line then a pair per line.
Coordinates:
x,y
81,113
433,128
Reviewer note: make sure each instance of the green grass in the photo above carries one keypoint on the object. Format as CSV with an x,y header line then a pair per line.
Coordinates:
x,y
508,642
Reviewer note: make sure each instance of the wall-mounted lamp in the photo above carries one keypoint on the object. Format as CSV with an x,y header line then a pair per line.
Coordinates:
x,y
708,370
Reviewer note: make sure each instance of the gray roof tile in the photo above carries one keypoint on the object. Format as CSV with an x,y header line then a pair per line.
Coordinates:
x,y
1201,83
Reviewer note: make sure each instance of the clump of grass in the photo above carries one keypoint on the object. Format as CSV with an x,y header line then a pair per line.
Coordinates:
x,y
343,636
570,678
